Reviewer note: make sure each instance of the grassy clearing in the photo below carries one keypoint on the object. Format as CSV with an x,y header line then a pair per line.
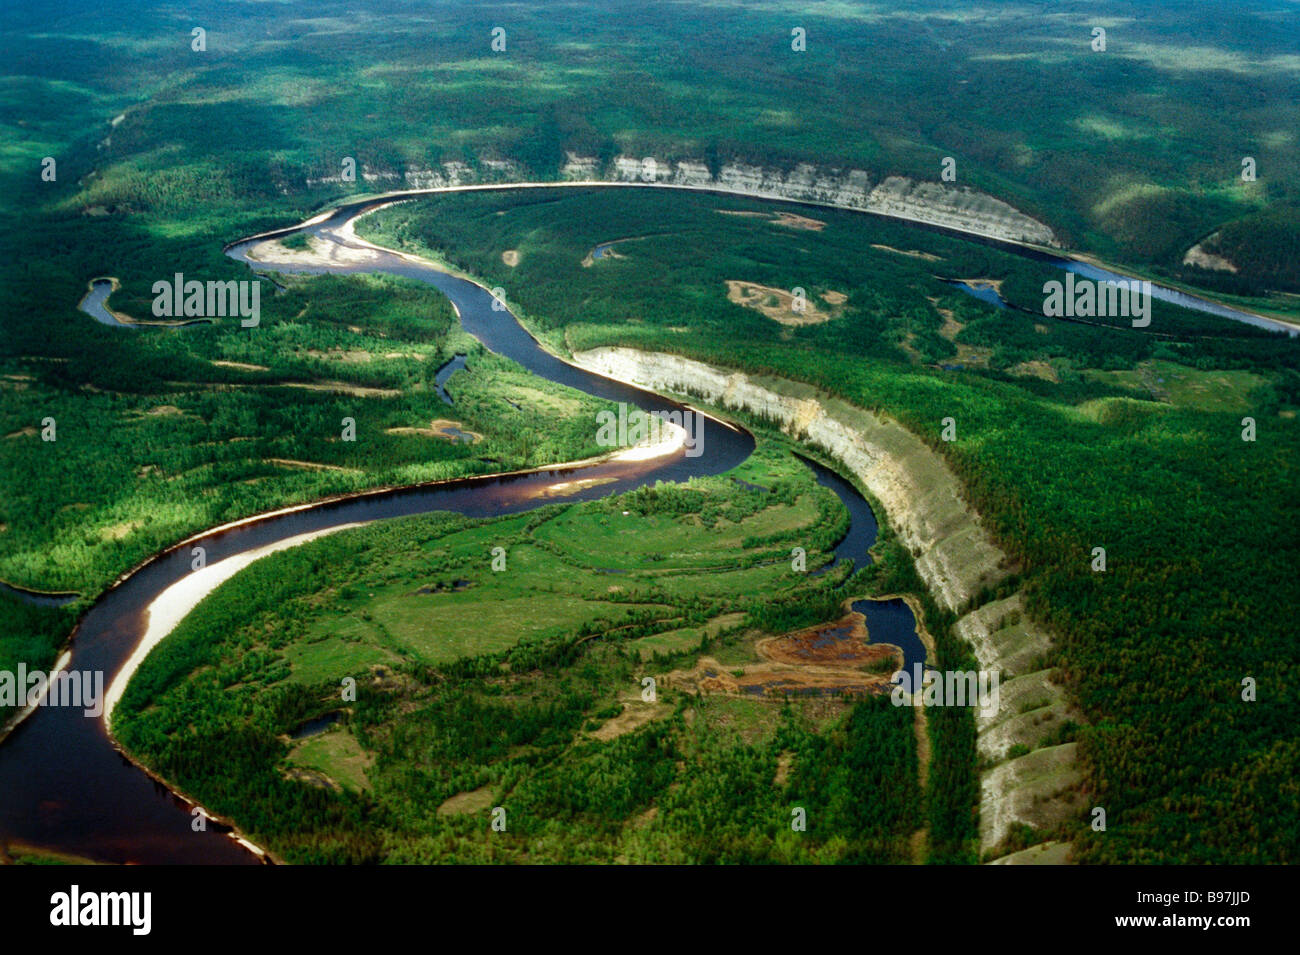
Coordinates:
x,y
337,754
523,689
1108,455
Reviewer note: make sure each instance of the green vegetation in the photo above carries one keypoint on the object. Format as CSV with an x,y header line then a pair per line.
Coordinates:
x,y
164,434
521,689
1133,154
1155,648
1069,436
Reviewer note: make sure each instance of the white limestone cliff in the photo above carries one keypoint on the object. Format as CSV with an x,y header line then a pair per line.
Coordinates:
x,y
939,204
953,554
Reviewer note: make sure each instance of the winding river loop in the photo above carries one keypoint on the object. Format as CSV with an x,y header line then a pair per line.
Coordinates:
x,y
64,785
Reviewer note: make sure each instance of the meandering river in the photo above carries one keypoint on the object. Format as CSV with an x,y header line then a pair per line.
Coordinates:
x,y
63,784
94,303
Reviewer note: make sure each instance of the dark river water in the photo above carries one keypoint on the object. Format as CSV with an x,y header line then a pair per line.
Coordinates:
x,y
62,783
37,597
887,621
444,375
94,304
64,786
983,293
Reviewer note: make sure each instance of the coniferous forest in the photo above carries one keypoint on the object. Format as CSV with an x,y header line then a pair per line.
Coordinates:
x,y
685,671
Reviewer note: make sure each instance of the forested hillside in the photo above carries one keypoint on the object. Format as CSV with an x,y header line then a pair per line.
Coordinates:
x,y
1068,438
139,139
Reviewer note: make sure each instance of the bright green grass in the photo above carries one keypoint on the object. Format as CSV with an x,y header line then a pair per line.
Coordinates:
x,y
634,541
1226,389
337,754
1220,390
545,591
496,689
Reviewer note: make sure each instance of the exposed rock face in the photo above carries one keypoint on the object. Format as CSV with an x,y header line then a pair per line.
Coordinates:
x,y
1038,789
366,174
447,175
953,207
997,632
426,178
453,173
692,174
1201,257
958,208
920,493
1045,853
953,554
850,188
579,167
949,206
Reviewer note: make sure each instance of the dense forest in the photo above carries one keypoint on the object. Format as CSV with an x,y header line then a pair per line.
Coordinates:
x,y
1070,435
546,724
1137,446
1134,152
160,434
1265,248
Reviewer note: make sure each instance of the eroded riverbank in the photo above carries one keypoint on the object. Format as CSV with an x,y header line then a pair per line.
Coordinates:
x,y
954,555
125,823
68,788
